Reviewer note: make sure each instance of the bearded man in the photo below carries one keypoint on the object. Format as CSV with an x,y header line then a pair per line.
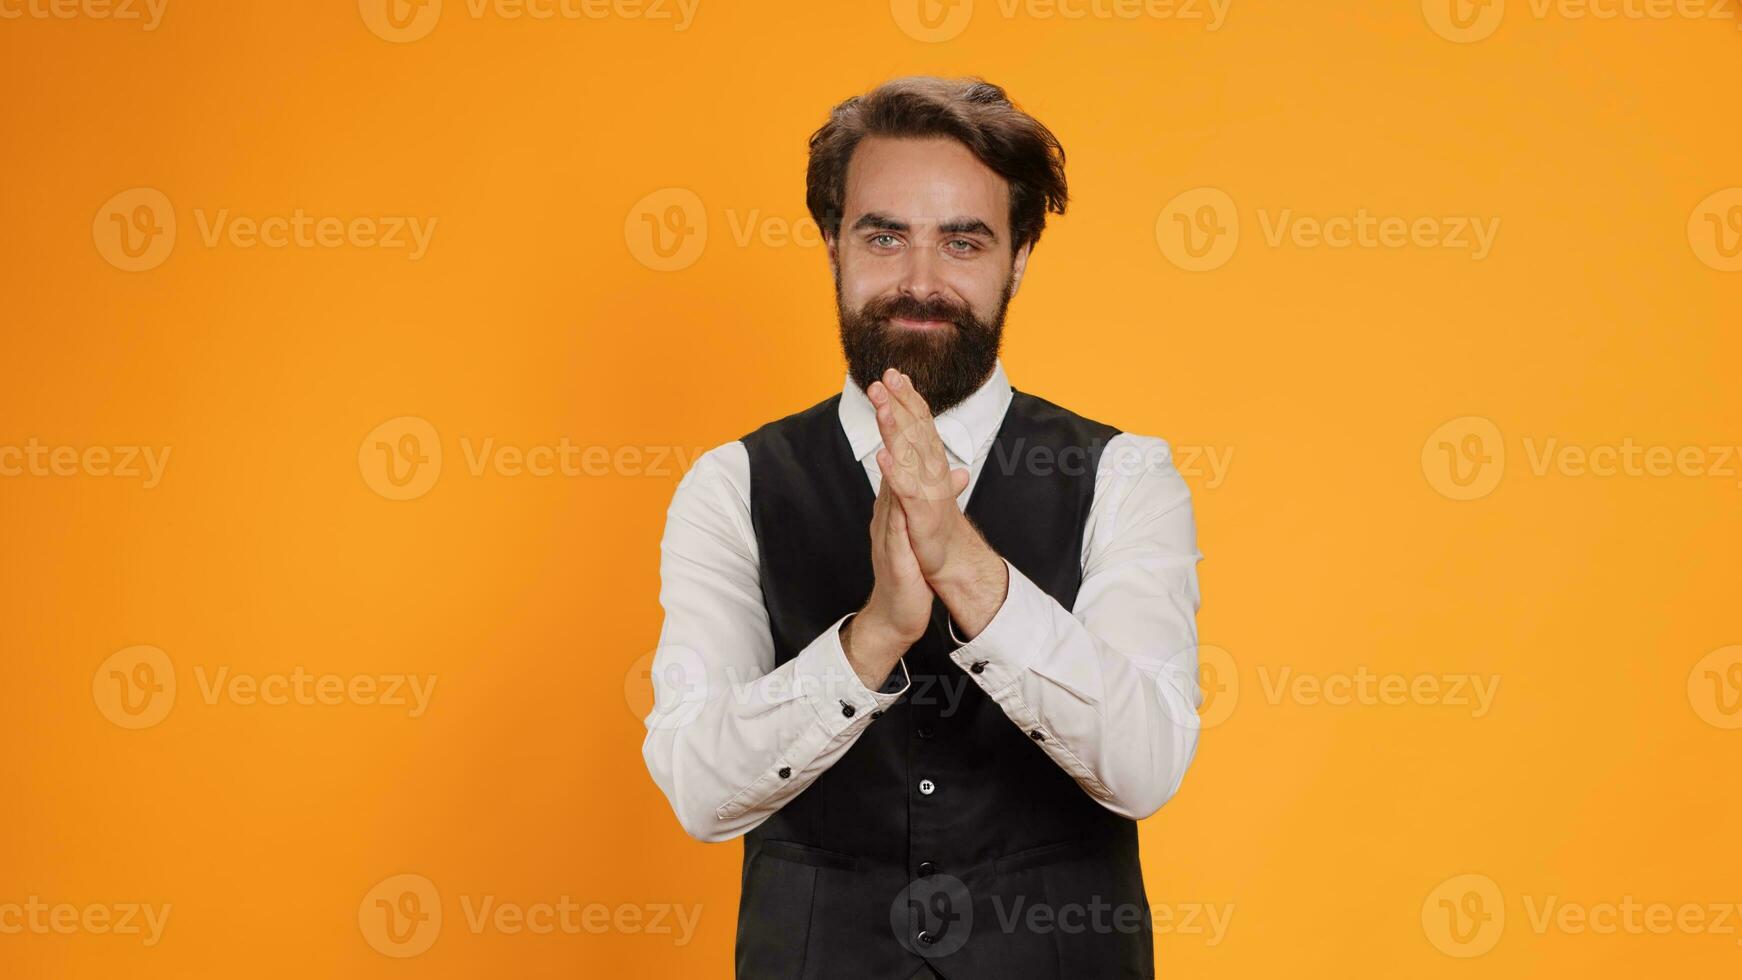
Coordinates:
x,y
929,645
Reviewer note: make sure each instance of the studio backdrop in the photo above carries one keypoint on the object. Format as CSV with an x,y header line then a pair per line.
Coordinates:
x,y
353,353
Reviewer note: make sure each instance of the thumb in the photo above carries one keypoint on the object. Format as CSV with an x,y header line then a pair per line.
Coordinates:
x,y
958,481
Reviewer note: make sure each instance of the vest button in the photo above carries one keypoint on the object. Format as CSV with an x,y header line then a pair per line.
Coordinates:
x,y
785,772
924,731
927,938
979,667
847,710
927,787
926,869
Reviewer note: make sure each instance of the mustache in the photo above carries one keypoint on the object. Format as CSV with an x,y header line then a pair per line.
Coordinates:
x,y
913,308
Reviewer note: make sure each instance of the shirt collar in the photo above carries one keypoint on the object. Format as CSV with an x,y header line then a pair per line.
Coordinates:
x,y
964,428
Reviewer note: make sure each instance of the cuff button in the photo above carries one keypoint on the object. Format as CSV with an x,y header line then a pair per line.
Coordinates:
x,y
979,667
785,772
847,710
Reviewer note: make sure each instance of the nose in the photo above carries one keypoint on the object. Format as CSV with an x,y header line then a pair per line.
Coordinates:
x,y
922,279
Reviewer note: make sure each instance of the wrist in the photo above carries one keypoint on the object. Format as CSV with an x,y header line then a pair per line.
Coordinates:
x,y
871,632
872,647
964,567
973,590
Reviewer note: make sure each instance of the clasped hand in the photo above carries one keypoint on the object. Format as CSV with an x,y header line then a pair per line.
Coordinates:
x,y
921,543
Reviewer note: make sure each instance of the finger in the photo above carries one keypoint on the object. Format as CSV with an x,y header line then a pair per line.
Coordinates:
x,y
913,438
910,396
894,421
897,478
923,428
899,542
882,412
958,481
891,469
912,425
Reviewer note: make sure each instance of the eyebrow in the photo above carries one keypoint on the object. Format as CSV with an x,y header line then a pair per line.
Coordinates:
x,y
954,226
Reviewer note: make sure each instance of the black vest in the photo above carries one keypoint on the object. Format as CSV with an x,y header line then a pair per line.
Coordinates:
x,y
1007,868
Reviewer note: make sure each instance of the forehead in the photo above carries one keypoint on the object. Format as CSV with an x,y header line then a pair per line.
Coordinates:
x,y
924,181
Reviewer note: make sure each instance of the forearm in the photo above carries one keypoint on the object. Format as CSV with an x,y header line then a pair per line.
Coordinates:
x,y
1117,710
733,736
973,583
872,648
730,751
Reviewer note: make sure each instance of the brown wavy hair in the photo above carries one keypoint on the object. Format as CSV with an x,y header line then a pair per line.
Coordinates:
x,y
970,110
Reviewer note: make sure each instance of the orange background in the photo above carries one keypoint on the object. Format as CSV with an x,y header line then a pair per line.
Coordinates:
x,y
1597,775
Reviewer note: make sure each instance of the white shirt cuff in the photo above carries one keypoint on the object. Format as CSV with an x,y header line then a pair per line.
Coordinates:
x,y
826,679
1023,636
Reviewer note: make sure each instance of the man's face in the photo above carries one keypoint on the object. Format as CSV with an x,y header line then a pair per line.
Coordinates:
x,y
923,266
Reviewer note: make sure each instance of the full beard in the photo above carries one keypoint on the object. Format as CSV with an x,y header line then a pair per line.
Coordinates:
x,y
947,364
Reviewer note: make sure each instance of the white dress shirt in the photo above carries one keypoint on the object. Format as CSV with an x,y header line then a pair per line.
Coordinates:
x,y
1111,682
